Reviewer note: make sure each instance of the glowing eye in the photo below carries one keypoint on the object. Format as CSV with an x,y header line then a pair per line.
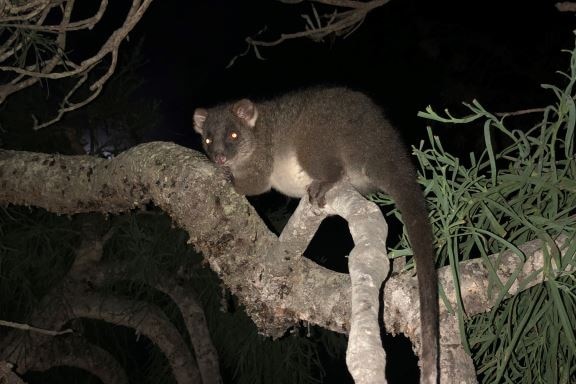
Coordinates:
x,y
234,135
207,141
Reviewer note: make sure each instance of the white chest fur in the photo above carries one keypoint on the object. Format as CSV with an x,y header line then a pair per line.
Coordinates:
x,y
288,177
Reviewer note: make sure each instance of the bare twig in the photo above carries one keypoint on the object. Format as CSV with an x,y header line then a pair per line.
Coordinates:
x,y
26,327
338,22
27,22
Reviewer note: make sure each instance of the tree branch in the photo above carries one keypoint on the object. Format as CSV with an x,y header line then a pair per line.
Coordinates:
x,y
318,26
87,267
193,314
25,25
72,300
26,327
7,376
76,352
185,298
237,244
566,6
401,313
368,265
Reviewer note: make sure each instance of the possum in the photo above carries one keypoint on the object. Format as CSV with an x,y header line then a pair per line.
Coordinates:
x,y
304,142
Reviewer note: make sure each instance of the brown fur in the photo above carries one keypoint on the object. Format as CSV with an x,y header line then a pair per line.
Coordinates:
x,y
308,140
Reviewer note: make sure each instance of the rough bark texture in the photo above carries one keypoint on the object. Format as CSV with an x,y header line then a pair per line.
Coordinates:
x,y
193,314
205,354
222,225
237,244
401,302
368,265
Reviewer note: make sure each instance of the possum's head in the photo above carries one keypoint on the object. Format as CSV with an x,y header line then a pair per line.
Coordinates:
x,y
227,131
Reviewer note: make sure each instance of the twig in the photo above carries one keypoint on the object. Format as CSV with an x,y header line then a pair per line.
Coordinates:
x,y
337,22
26,327
566,6
32,18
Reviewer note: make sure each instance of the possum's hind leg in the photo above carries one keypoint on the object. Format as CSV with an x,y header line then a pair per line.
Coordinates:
x,y
325,172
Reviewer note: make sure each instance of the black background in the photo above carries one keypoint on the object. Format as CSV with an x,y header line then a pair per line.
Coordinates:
x,y
408,54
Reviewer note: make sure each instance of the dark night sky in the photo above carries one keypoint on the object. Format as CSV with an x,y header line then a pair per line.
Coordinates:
x,y
408,54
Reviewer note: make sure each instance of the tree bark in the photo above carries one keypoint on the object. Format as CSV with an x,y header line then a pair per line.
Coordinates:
x,y
237,244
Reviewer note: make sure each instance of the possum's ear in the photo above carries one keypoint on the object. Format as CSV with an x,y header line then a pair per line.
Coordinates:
x,y
246,111
199,119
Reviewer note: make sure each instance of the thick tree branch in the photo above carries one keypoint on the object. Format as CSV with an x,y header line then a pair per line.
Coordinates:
x,y
185,298
193,314
76,352
237,244
192,192
368,265
73,351
71,301
401,313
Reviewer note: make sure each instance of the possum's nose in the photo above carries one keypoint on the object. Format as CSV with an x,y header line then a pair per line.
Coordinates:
x,y
219,159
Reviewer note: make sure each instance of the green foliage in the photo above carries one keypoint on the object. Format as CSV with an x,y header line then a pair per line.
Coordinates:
x,y
526,339
147,243
36,251
495,202
36,47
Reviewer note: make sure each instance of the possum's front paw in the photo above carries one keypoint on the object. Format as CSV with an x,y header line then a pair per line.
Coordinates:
x,y
317,192
228,174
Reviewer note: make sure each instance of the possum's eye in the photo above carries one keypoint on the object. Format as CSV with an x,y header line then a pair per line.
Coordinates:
x,y
233,135
207,141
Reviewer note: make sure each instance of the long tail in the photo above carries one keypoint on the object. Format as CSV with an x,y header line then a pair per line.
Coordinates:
x,y
415,217
406,193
